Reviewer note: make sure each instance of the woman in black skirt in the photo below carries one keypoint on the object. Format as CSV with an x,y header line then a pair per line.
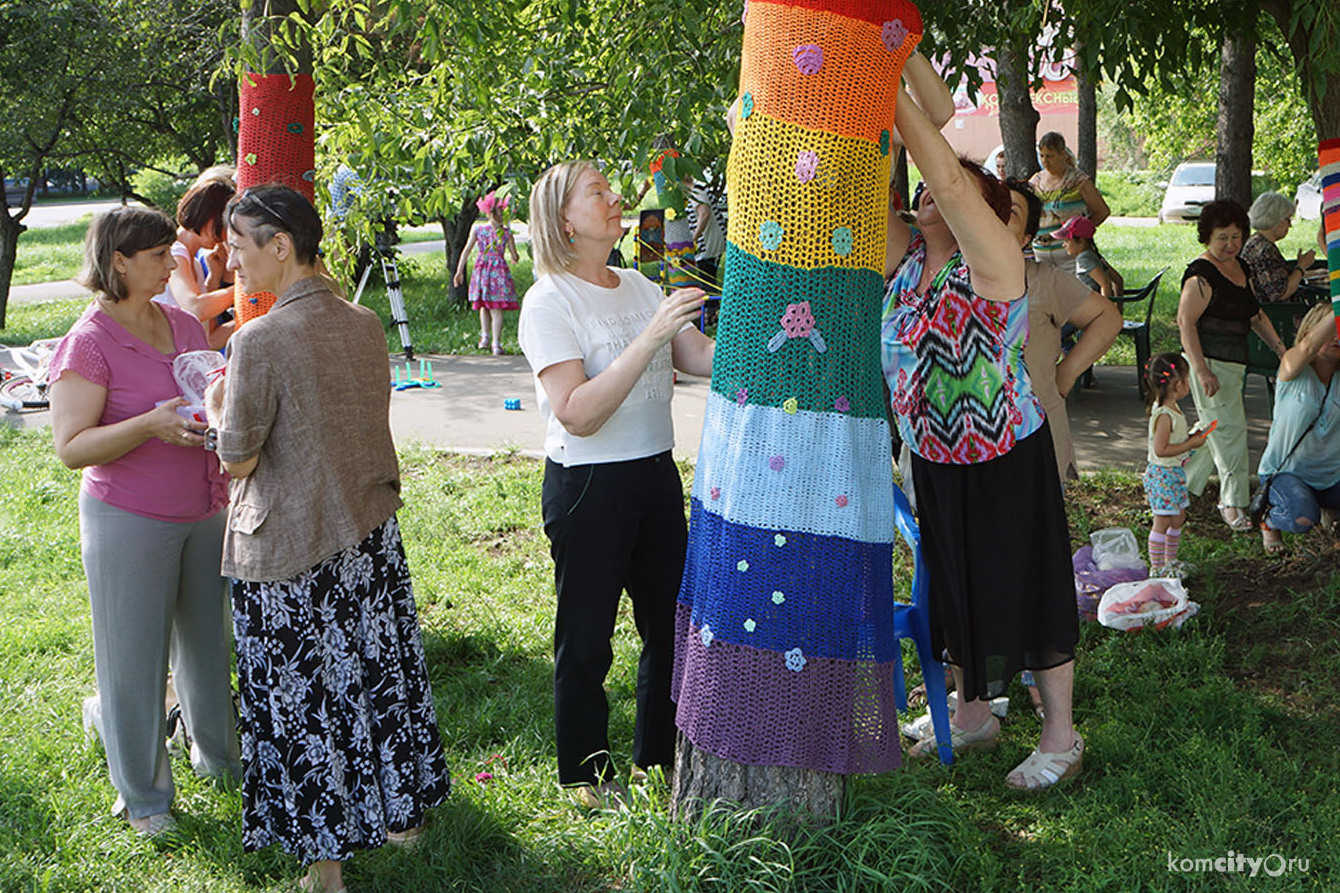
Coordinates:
x,y
992,519
340,746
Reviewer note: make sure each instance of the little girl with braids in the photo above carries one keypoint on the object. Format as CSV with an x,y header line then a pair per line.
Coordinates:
x,y
1170,444
491,287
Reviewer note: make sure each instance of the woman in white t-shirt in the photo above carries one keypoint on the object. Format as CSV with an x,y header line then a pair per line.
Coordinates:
x,y
603,343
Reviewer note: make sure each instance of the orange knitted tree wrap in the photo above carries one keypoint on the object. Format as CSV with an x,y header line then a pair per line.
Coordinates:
x,y
275,144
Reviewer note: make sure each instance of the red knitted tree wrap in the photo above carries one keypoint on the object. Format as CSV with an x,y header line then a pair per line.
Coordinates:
x,y
275,144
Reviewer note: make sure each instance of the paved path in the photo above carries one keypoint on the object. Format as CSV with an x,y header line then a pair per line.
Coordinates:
x,y
466,413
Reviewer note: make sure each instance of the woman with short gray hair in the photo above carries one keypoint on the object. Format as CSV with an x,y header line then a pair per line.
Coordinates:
x,y
1273,278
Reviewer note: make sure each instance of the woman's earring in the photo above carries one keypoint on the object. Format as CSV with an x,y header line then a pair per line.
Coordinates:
x,y
572,238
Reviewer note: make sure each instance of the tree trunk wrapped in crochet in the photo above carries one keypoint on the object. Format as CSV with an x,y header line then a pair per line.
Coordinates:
x,y
275,144
1329,156
785,644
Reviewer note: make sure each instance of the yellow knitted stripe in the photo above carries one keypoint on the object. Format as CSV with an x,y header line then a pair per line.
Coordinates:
x,y
789,206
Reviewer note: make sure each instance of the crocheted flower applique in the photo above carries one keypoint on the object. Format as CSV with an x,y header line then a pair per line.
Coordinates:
x,y
706,634
809,58
883,143
744,13
778,597
746,105
842,241
742,396
797,322
790,406
716,492
749,625
894,35
742,565
777,463
795,660
807,163
770,234
779,540
841,501
842,404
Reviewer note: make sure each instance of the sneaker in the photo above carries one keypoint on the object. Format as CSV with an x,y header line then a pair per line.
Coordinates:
x,y
1173,570
91,711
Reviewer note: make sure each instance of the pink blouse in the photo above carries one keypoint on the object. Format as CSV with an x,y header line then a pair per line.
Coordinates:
x,y
155,480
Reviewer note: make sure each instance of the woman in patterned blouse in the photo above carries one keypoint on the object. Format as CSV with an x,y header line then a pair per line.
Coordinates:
x,y
1273,277
992,520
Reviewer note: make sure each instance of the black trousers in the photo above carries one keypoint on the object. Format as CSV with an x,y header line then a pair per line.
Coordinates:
x,y
613,526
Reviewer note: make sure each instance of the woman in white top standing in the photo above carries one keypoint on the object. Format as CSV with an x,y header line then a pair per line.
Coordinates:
x,y
602,342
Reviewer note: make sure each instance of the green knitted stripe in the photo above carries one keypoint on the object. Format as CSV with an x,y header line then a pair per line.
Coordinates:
x,y
757,295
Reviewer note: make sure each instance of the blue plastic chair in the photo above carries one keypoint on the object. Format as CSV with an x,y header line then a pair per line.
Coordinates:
x,y
913,622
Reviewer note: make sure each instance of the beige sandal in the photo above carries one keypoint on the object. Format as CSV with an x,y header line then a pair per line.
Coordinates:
x,y
1042,770
984,738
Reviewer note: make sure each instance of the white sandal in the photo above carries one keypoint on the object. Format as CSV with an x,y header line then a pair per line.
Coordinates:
x,y
1042,770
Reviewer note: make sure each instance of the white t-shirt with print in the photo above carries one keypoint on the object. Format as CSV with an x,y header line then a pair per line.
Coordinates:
x,y
567,318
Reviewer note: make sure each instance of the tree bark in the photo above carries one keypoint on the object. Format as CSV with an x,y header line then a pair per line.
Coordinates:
x,y
9,251
1018,118
455,233
1237,89
808,796
1086,153
1321,87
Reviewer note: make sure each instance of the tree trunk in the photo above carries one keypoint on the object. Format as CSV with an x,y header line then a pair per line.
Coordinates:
x,y
1321,87
700,778
455,233
9,250
1237,88
1018,118
1086,153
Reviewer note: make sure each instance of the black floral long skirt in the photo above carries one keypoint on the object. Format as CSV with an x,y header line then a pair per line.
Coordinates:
x,y
339,735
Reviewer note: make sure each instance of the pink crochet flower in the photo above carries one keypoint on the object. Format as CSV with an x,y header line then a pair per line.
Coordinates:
x,y
798,321
807,163
894,34
842,404
809,58
716,492
777,463
741,396
841,502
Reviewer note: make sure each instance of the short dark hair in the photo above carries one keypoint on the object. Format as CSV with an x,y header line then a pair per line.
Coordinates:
x,y
1034,218
204,204
274,208
994,191
128,230
1219,214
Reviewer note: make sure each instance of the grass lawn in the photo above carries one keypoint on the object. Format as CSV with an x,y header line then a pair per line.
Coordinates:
x,y
50,253
1222,736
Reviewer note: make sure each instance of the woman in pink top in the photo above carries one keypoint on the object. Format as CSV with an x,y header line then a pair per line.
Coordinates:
x,y
150,517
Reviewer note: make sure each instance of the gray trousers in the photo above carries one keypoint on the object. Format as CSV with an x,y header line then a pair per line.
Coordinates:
x,y
154,586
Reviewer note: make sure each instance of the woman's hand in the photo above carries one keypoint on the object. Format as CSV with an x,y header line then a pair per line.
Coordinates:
x,y
457,279
1209,382
1306,259
163,422
681,307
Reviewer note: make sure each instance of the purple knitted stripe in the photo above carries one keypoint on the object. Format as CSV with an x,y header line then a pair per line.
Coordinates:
x,y
763,708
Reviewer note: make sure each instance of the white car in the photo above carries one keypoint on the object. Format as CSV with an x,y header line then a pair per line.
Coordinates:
x,y
1191,185
1308,197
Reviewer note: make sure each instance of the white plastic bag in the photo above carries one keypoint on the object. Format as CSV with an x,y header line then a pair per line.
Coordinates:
x,y
195,370
1155,602
1115,547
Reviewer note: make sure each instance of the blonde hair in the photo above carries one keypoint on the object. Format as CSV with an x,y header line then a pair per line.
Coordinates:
x,y
127,230
549,244
1320,313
